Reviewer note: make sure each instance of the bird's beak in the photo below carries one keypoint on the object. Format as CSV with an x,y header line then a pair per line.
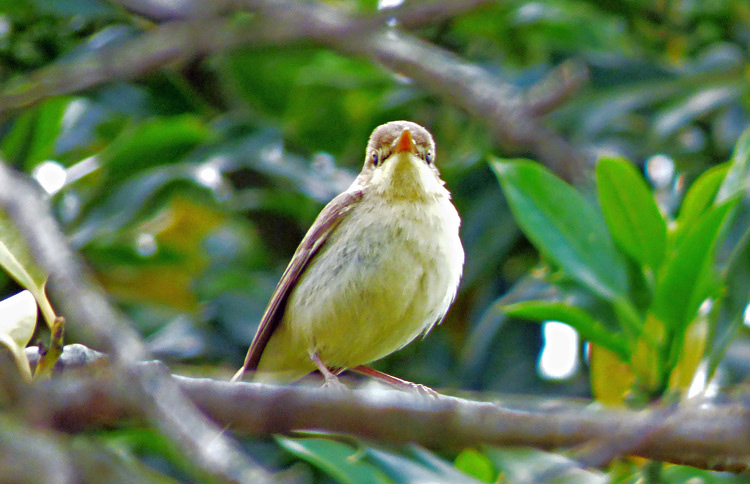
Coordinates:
x,y
405,143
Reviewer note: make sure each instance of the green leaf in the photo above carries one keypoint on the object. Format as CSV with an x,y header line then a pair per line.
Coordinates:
x,y
428,468
631,212
531,465
15,7
688,277
736,280
17,261
33,135
738,176
15,257
46,363
66,8
588,327
562,224
340,461
695,105
476,464
699,198
17,324
159,141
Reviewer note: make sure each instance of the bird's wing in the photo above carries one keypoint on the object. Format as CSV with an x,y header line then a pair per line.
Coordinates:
x,y
327,221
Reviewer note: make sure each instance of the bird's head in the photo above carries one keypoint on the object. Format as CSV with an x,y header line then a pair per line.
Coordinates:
x,y
400,161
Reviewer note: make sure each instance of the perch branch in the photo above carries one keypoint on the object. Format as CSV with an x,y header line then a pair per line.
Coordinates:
x,y
710,438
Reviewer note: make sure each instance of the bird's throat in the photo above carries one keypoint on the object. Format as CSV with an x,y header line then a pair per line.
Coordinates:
x,y
404,176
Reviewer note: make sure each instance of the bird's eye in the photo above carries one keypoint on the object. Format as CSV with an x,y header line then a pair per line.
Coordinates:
x,y
375,158
428,157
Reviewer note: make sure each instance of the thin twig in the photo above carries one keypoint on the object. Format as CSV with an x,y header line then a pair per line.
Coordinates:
x,y
556,88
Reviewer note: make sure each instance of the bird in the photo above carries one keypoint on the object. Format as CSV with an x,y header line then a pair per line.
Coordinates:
x,y
378,268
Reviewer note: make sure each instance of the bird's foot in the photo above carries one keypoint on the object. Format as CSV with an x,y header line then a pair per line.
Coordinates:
x,y
423,390
393,381
331,380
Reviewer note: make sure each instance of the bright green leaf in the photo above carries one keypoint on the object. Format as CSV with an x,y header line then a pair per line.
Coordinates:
x,y
688,276
562,224
631,212
700,197
17,324
588,327
336,459
476,464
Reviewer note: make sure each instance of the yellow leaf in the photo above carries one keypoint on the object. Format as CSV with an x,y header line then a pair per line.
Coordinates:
x,y
693,349
646,360
611,378
181,227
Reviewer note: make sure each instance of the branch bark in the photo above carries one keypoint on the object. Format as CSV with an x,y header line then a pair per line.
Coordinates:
x,y
710,438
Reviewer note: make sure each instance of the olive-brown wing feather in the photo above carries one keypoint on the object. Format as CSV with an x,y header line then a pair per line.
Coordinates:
x,y
316,237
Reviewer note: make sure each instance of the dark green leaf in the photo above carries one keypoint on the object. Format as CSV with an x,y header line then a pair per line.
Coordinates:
x,y
34,134
588,327
340,461
562,224
159,141
631,212
736,279
15,7
66,8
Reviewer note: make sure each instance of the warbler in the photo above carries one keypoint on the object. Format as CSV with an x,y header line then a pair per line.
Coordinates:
x,y
379,267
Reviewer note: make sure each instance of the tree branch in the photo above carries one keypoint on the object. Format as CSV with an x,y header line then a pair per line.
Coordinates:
x,y
87,311
510,115
710,438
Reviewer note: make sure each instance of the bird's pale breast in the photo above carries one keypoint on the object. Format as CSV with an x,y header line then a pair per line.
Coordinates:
x,y
375,286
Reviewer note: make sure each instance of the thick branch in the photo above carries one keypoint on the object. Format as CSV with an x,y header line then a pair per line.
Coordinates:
x,y
713,438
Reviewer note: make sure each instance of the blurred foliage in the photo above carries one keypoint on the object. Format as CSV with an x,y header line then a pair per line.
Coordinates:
x,y
188,190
